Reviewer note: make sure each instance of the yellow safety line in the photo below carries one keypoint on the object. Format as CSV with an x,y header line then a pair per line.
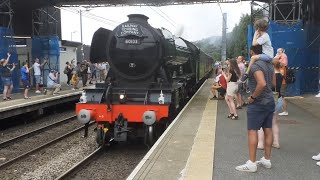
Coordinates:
x,y
200,161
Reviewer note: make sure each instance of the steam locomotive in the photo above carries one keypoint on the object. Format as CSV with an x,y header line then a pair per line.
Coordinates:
x,y
152,74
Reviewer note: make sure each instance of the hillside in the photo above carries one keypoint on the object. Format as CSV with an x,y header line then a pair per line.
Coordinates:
x,y
211,46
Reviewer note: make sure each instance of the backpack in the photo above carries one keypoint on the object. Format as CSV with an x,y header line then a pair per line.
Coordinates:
x,y
290,77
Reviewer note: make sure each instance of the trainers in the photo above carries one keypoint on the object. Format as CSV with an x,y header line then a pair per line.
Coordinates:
x,y
249,166
38,92
317,157
244,78
318,163
318,95
283,114
264,162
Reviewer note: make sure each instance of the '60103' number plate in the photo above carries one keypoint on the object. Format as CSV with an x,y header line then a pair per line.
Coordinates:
x,y
132,41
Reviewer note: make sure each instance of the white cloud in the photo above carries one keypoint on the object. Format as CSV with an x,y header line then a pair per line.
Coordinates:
x,y
198,21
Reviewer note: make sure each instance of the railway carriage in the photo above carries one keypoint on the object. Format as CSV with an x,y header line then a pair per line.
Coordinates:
x,y
152,74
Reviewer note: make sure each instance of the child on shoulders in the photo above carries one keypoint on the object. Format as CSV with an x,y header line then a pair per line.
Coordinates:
x,y
261,37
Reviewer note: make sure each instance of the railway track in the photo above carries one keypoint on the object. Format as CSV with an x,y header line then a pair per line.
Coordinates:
x,y
116,162
13,160
82,163
39,130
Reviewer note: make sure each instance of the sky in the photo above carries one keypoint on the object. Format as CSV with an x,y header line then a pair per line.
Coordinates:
x,y
196,22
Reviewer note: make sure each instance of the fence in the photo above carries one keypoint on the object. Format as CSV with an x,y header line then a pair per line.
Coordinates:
x,y
46,48
301,43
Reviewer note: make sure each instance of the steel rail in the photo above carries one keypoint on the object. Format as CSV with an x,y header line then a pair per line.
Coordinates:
x,y
77,166
5,143
42,146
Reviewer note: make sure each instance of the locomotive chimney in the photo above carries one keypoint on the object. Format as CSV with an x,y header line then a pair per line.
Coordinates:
x,y
138,17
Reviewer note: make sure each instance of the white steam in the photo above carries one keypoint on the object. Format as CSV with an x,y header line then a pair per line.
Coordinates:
x,y
179,30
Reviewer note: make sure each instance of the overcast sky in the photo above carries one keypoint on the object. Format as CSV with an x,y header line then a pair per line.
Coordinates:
x,y
197,21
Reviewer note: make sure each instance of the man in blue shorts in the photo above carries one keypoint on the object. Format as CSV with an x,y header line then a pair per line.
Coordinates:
x,y
260,111
25,71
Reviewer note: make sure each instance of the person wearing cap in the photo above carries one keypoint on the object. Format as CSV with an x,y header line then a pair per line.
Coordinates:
x,y
52,82
6,78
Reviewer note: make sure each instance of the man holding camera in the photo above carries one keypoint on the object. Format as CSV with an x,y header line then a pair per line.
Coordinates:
x,y
52,81
37,72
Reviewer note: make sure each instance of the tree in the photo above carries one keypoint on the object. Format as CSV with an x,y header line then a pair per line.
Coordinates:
x,y
237,41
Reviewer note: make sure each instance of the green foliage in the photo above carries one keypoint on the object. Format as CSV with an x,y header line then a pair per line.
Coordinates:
x,y
237,41
211,46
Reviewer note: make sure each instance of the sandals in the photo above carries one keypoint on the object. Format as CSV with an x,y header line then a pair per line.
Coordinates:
x,y
238,107
9,98
234,117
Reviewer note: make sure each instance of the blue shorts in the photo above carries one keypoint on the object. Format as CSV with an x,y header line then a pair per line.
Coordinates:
x,y
7,81
26,83
260,116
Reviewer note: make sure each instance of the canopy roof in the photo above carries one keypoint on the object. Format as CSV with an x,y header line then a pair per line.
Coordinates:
x,y
34,4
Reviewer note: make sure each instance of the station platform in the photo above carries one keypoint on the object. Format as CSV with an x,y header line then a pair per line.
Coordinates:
x,y
203,143
18,105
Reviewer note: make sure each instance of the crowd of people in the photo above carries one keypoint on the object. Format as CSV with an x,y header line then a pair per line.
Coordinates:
x,y
263,80
85,71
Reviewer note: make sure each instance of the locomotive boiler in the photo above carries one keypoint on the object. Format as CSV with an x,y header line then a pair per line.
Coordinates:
x,y
152,74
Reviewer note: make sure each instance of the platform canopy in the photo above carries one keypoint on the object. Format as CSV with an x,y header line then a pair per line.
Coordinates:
x,y
140,2
34,4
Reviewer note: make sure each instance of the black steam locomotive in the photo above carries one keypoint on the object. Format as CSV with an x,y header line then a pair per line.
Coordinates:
x,y
152,73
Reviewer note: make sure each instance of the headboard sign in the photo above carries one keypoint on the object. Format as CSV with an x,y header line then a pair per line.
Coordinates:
x,y
129,29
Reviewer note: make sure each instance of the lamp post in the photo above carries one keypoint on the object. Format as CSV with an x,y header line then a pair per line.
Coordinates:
x,y
82,54
72,33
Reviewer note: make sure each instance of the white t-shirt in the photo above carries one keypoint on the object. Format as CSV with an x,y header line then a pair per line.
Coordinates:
x,y
265,41
103,66
51,80
36,69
